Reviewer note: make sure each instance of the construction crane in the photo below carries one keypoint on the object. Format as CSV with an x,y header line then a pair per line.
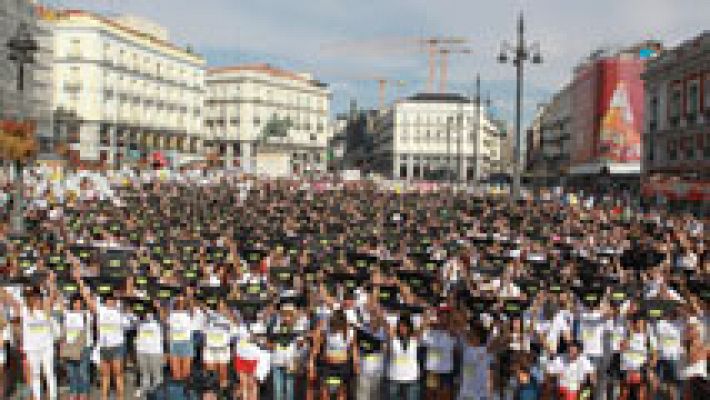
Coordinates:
x,y
382,84
444,63
432,46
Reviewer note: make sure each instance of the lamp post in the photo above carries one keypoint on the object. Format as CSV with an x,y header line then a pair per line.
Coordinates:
x,y
521,52
449,120
21,49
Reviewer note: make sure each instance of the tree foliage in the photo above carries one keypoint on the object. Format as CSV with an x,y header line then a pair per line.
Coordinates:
x,y
17,141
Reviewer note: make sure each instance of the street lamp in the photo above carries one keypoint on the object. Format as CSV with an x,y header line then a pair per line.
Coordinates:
x,y
21,50
521,52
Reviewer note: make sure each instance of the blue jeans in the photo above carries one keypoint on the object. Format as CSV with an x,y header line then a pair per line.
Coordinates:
x,y
403,390
283,384
78,374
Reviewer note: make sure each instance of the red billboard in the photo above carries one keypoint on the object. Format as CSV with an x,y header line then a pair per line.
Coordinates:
x,y
607,111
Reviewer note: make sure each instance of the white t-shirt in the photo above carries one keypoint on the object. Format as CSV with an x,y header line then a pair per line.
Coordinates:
x,y
218,331
111,324
149,337
634,357
591,333
476,364
74,323
403,365
246,348
180,324
669,339
36,331
571,372
440,351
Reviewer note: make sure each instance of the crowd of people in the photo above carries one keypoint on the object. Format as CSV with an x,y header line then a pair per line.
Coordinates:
x,y
234,289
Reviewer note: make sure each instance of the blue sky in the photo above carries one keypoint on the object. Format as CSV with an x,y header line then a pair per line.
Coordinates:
x,y
345,42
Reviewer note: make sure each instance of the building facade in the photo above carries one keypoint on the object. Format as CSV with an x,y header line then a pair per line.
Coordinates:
x,y
555,137
607,114
249,107
134,95
32,103
436,137
677,123
531,156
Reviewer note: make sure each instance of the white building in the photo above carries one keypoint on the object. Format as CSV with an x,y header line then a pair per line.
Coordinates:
x,y
32,103
135,94
424,136
259,108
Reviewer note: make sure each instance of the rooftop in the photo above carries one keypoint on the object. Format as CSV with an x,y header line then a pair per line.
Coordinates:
x,y
267,69
439,97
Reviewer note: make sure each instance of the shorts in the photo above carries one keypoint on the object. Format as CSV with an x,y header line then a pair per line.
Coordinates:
x,y
667,371
219,355
182,349
113,353
244,366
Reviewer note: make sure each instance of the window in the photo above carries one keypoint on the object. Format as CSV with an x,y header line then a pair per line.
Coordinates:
x,y
316,158
403,171
653,108
257,121
706,147
74,48
402,157
313,138
674,115
693,102
690,151
672,150
706,85
234,121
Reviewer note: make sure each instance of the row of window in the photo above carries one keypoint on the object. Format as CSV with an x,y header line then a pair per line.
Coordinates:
x,y
285,98
256,121
676,150
145,63
677,107
433,136
433,119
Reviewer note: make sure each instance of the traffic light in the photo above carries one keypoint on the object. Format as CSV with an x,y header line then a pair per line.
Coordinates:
x,y
17,141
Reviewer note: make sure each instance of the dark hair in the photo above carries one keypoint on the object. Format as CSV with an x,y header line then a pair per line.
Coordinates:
x,y
406,320
338,322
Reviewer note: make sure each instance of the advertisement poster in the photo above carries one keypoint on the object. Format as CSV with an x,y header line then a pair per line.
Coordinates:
x,y
621,112
607,104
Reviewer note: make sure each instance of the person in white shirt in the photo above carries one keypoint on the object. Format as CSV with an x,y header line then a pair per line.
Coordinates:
x,y
592,325
284,354
111,341
218,327
77,323
38,333
403,366
572,370
180,328
636,351
149,352
476,360
668,334
440,343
